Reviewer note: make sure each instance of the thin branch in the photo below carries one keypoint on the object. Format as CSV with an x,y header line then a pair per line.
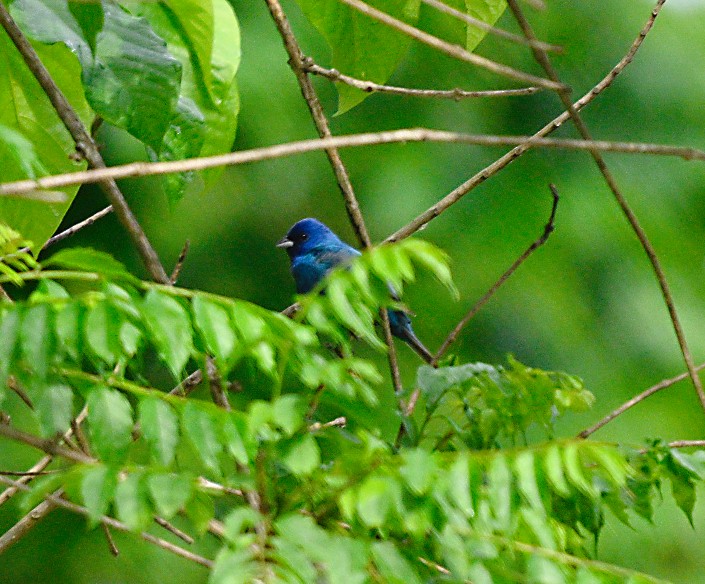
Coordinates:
x,y
635,400
84,144
47,446
24,525
78,226
449,49
173,529
544,61
370,86
176,272
111,542
118,525
190,383
136,169
340,422
218,394
547,230
458,193
296,61
392,356
501,33
687,444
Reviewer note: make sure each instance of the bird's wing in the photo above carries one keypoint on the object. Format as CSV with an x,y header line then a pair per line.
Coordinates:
x,y
331,258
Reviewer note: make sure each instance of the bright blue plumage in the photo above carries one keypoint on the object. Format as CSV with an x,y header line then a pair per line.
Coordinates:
x,y
314,250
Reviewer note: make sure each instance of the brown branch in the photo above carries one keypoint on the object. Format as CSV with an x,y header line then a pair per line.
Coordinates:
x,y
370,86
296,62
176,272
173,529
24,525
218,394
501,33
449,49
544,61
190,383
84,144
458,193
392,356
687,444
547,230
111,542
48,446
635,400
57,501
523,143
78,226
340,422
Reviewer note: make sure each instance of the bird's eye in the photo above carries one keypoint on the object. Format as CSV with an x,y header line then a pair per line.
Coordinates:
x,y
304,236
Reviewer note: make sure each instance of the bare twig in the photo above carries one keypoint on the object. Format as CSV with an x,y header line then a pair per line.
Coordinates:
x,y
635,400
173,529
15,387
220,398
188,384
370,86
501,33
458,193
111,542
78,226
547,230
24,525
176,272
687,444
48,446
336,423
56,501
391,355
544,61
296,61
84,144
452,50
136,169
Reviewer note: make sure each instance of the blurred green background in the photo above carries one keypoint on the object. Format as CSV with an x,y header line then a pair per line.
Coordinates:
x,y
586,303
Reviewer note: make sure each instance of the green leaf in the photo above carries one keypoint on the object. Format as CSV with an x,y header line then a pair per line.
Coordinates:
x,y
170,492
9,333
302,456
288,413
526,473
170,328
362,47
110,422
213,321
102,331
160,427
85,259
375,500
392,565
27,111
418,470
134,82
553,465
499,486
202,430
237,521
37,338
55,409
131,503
235,433
233,567
97,491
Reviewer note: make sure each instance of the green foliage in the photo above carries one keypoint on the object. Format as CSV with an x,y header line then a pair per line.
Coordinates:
x,y
164,72
334,505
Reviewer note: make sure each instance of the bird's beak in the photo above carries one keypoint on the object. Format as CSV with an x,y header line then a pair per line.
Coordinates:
x,y
284,243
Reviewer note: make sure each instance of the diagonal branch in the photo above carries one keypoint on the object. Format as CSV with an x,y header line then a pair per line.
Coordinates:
x,y
450,49
459,192
544,61
543,238
84,144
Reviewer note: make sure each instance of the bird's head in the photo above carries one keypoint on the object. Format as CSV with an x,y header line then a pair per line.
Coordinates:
x,y
306,235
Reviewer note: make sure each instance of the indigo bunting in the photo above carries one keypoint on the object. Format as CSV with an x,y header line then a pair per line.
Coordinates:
x,y
314,250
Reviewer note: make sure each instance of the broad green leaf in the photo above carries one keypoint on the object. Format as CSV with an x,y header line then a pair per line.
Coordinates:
x,y
288,413
375,499
160,427
553,465
458,31
131,502
526,470
85,259
37,338
418,470
235,434
213,321
170,492
110,422
170,328
233,567
134,82
19,157
540,569
202,429
392,565
574,470
97,491
458,478
237,521
27,111
499,486
55,409
362,47
102,332
302,456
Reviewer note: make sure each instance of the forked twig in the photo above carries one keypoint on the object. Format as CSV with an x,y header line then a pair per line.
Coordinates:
x,y
547,230
459,192
176,272
78,226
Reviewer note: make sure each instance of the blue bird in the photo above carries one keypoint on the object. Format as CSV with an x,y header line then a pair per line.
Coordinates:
x,y
314,250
